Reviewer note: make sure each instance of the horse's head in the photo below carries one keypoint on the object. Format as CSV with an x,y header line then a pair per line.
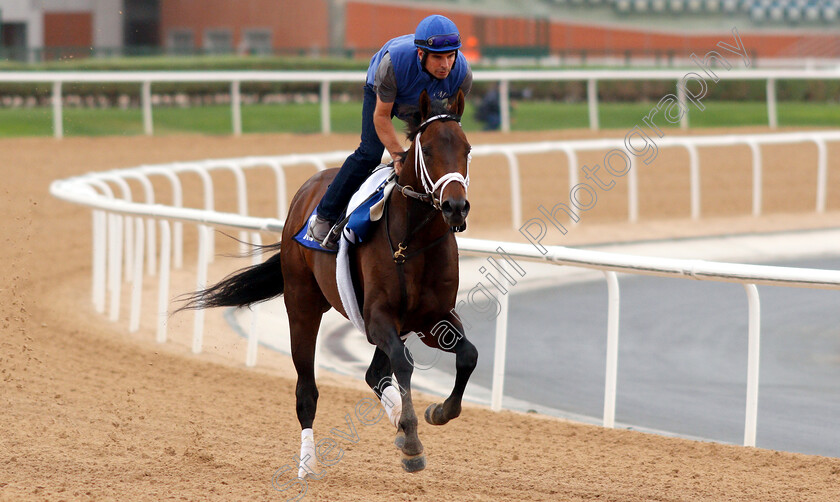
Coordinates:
x,y
439,157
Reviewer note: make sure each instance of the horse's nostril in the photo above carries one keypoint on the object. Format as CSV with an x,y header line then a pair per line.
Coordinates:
x,y
466,207
446,207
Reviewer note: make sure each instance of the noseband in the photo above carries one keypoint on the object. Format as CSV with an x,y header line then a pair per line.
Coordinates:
x,y
431,187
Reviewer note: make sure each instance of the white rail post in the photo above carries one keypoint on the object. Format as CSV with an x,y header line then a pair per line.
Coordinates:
x,y
58,119
683,104
573,165
115,256
151,247
772,116
694,174
750,424
573,173
200,284
756,165
207,184
253,334
280,186
515,189
236,107
504,104
241,200
177,233
326,126
103,250
632,191
128,227
822,174
592,100
100,247
146,98
137,279
149,192
611,379
177,227
163,280
128,247
499,355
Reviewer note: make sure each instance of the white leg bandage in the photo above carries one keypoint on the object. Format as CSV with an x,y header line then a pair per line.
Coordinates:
x,y
392,402
307,447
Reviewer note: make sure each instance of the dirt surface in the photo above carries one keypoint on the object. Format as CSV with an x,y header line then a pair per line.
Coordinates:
x,y
91,412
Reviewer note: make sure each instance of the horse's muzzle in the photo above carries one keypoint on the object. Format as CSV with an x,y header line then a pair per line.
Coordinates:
x,y
455,211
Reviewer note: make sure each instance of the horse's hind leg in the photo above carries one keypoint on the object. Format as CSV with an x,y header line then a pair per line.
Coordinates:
x,y
304,309
466,357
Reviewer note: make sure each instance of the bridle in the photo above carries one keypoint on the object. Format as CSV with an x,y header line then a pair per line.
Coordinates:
x,y
430,187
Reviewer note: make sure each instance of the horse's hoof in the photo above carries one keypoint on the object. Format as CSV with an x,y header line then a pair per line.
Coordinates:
x,y
414,463
399,440
430,414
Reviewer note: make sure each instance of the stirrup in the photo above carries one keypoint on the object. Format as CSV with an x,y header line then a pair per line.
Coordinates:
x,y
330,241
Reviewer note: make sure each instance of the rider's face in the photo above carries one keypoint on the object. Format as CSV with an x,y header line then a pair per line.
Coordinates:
x,y
439,64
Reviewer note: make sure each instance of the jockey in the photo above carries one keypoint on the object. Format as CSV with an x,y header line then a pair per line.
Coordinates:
x,y
405,66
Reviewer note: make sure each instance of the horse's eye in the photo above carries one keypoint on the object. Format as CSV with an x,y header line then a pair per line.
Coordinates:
x,y
426,151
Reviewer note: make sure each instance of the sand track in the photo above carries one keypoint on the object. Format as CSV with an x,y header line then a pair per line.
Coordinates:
x,y
89,412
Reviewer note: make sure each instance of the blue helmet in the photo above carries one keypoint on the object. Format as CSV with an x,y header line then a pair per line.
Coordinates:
x,y
437,33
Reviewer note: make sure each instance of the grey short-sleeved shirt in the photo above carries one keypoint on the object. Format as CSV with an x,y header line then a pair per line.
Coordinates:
x,y
385,85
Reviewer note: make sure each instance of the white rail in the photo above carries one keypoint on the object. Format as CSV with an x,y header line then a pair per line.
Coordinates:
x,y
113,219
325,79
689,143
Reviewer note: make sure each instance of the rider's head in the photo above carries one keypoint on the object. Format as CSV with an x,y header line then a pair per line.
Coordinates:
x,y
437,41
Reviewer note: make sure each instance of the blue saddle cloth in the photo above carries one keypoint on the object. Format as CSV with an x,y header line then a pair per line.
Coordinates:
x,y
309,243
359,225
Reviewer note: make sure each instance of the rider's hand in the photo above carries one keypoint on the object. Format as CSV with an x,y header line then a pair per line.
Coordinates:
x,y
398,161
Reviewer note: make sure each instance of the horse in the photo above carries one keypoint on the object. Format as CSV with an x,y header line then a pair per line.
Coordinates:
x,y
407,271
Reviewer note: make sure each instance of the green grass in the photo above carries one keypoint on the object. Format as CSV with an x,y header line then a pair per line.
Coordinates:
x,y
346,118
541,116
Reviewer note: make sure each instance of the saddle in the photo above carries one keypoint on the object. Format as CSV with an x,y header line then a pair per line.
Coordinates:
x,y
365,208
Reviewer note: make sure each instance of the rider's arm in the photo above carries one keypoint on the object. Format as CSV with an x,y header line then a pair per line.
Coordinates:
x,y
385,84
386,132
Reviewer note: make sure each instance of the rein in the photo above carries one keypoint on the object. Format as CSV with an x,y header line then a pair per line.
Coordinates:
x,y
430,188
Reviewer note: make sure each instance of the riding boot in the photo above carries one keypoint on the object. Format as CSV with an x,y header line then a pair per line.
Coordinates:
x,y
318,228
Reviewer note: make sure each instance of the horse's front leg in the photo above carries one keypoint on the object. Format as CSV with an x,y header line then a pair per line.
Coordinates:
x,y
450,337
385,336
378,376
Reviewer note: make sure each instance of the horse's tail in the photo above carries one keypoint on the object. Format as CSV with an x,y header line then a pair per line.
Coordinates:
x,y
242,288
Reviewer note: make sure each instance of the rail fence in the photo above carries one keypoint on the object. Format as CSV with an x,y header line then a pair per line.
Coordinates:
x,y
125,235
326,78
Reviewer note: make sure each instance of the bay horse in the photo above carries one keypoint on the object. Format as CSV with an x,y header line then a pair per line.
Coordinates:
x,y
407,271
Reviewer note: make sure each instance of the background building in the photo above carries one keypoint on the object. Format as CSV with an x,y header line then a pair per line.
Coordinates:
x,y
33,28
50,29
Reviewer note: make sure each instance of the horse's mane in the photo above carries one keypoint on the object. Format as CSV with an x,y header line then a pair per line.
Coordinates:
x,y
438,107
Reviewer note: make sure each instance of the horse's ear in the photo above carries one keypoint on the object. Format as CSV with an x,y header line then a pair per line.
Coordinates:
x,y
457,106
425,105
